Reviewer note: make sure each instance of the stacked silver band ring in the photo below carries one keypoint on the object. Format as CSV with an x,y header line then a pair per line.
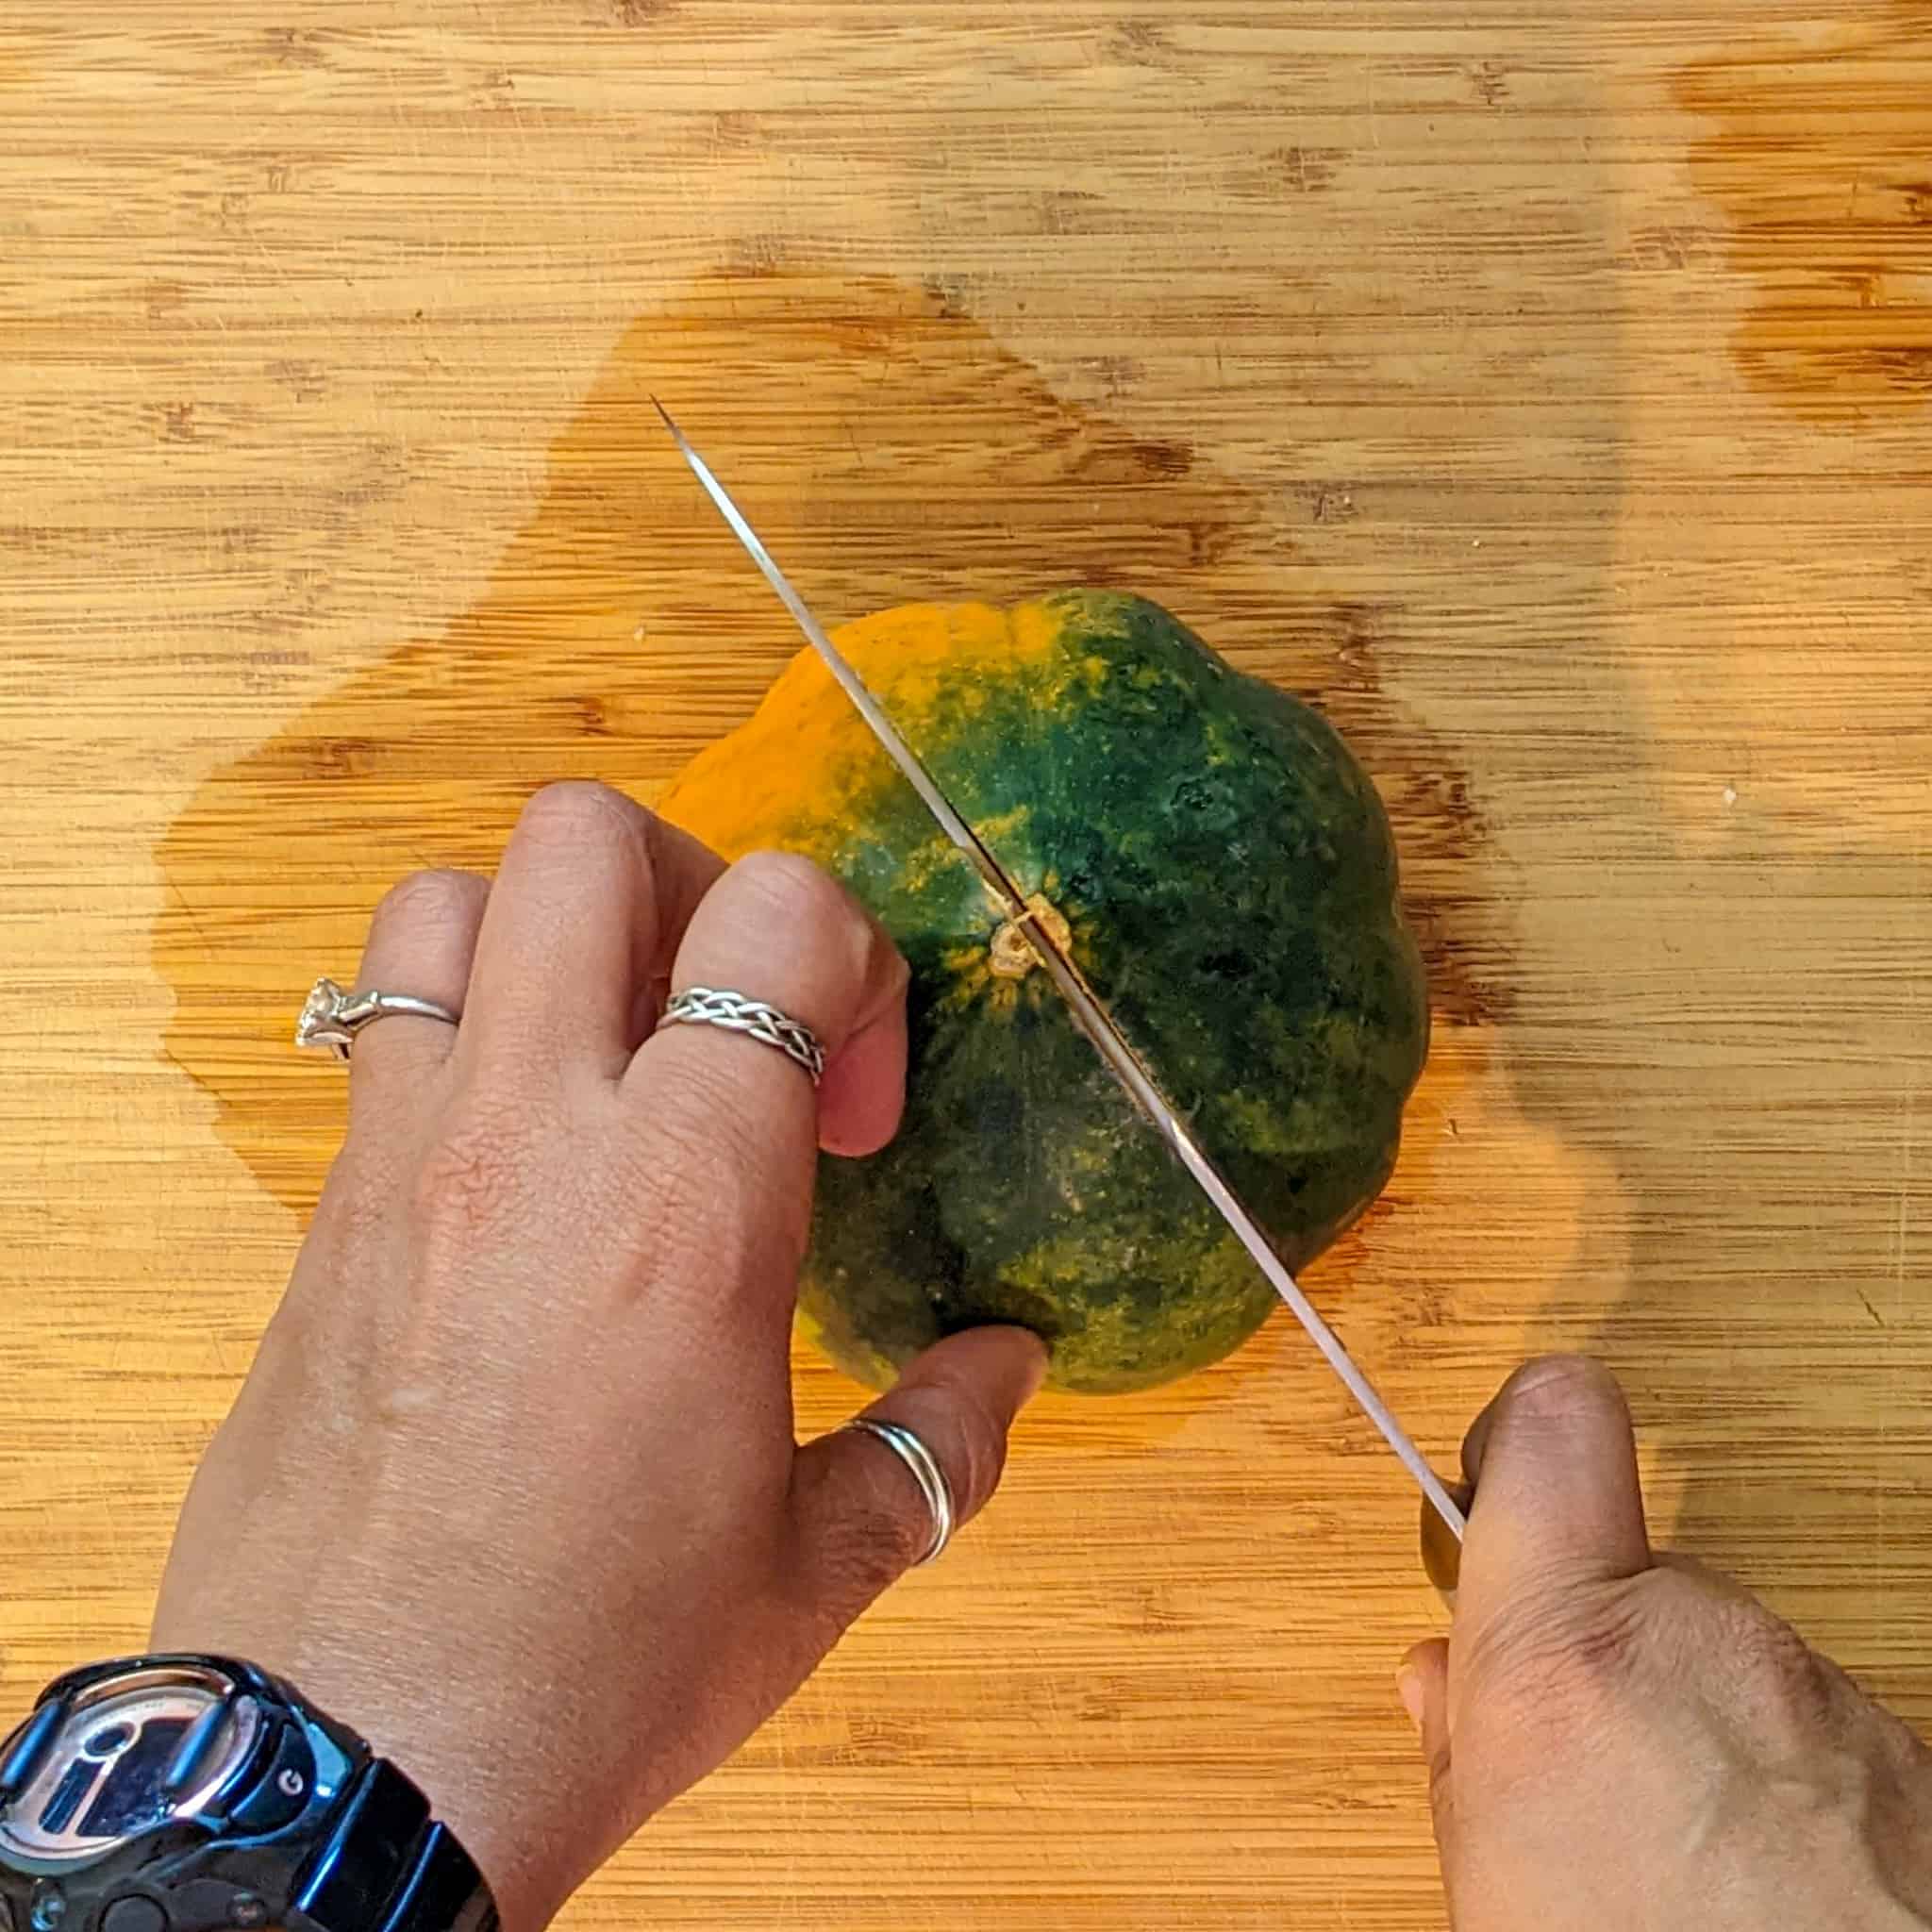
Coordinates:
x,y
925,1471
713,1005
332,1018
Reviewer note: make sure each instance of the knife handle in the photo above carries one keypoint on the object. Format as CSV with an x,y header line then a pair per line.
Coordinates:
x,y
1441,1551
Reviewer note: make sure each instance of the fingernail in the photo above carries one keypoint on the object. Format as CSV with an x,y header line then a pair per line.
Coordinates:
x,y
1408,1687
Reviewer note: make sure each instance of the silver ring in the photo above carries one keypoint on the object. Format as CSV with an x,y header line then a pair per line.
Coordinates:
x,y
332,1018
926,1473
712,1006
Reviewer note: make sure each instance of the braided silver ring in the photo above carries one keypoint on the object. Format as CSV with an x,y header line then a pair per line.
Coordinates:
x,y
712,1006
332,1018
925,1471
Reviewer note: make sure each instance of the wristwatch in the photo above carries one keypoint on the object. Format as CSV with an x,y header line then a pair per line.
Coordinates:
x,y
185,1794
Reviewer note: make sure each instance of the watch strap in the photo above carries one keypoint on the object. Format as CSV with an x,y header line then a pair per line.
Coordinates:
x,y
390,1867
445,1892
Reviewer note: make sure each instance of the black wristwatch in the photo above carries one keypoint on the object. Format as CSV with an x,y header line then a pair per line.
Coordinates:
x,y
191,1793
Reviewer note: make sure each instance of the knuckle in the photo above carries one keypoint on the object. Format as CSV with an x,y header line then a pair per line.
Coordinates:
x,y
1577,1659
872,1547
704,1123
695,1211
574,811
1598,1653
699,1092
1591,1661
360,1196
791,893
437,899
470,1179
1778,1677
683,1221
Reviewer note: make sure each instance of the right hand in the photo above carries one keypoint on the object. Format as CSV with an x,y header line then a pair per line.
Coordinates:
x,y
1624,1741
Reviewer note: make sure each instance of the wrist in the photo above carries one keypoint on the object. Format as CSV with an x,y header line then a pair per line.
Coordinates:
x,y
185,1791
412,1714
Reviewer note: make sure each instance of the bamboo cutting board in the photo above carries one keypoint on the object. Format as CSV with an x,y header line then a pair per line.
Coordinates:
x,y
1543,390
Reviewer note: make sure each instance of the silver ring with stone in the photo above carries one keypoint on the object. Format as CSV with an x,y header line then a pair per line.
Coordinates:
x,y
716,1005
925,1471
332,1018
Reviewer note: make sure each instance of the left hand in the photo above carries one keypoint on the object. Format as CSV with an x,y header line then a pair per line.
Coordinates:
x,y
513,1486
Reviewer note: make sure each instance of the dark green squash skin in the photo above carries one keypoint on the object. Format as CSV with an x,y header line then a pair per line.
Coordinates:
x,y
1229,878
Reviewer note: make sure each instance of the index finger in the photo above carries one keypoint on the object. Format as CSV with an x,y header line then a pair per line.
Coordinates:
x,y
1558,1502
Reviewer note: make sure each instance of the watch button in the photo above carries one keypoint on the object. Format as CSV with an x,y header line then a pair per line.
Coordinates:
x,y
281,1791
134,1915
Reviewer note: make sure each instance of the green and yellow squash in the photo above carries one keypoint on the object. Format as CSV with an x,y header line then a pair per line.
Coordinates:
x,y
1225,875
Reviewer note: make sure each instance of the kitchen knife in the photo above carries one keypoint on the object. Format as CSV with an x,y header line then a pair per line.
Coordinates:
x,y
1444,1516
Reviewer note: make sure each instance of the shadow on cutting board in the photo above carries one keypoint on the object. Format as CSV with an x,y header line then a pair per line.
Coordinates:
x,y
1768,1049
623,630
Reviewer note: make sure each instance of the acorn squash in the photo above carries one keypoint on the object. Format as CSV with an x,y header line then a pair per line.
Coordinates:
x,y
1225,875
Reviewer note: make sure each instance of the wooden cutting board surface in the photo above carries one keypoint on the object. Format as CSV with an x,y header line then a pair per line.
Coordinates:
x,y
1543,390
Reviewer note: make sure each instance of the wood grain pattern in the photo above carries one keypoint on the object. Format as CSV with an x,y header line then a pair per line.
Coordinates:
x,y
1540,390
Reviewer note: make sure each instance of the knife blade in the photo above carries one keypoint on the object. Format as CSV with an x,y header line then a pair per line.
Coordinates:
x,y
1089,1012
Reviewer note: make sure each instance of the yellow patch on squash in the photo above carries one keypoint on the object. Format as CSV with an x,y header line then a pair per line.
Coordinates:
x,y
743,792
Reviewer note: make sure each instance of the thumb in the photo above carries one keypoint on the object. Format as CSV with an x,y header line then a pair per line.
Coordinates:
x,y
860,1510
1424,1682
1556,1498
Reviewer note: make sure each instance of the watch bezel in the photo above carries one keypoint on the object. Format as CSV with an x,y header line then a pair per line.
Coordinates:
x,y
193,1685
305,1829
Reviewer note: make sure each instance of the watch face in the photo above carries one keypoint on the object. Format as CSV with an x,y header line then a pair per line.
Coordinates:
x,y
102,1780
